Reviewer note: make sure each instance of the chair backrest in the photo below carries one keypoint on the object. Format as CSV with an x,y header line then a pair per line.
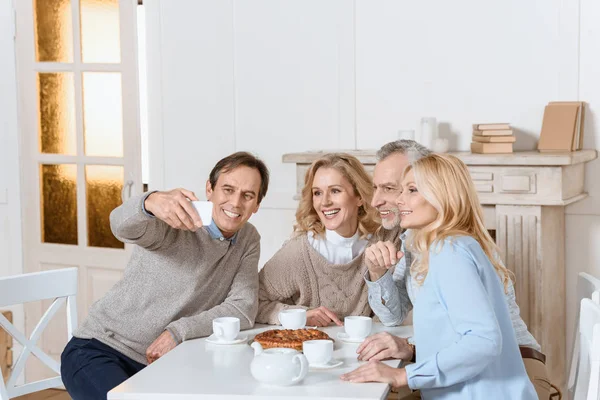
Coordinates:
x,y
588,366
586,286
60,285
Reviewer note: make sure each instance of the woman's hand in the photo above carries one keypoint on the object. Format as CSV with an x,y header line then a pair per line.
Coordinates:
x,y
321,316
384,345
376,371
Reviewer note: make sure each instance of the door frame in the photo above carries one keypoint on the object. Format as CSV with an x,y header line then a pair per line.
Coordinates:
x,y
35,253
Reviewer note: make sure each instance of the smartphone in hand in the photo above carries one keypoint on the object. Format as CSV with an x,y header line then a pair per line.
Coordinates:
x,y
204,209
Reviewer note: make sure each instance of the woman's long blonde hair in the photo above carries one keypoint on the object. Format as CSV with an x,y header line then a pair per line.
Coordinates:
x,y
445,182
307,219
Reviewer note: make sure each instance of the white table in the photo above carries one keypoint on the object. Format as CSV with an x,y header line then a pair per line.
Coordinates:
x,y
199,370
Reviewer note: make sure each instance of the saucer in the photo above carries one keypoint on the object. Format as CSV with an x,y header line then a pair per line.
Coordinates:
x,y
304,327
239,339
343,336
331,364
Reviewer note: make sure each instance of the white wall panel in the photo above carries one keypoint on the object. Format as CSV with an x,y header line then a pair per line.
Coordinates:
x,y
196,88
275,227
589,90
10,208
292,62
11,243
461,62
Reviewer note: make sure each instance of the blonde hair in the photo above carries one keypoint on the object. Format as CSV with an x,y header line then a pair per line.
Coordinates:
x,y
307,219
445,182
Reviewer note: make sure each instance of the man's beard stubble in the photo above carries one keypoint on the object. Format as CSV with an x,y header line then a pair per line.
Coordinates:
x,y
389,225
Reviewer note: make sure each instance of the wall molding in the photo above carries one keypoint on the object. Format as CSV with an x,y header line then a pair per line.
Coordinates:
x,y
156,156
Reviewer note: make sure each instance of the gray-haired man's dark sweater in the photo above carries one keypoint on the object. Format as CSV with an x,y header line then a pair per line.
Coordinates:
x,y
175,280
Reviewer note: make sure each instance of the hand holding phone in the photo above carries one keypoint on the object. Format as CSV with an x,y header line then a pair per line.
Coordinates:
x,y
204,209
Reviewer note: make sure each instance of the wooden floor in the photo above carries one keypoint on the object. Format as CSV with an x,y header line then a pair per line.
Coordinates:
x,y
49,394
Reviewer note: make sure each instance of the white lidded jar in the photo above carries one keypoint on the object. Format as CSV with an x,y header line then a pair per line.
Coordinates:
x,y
428,132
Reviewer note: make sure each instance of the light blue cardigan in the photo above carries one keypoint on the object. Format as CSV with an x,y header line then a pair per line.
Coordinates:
x,y
466,344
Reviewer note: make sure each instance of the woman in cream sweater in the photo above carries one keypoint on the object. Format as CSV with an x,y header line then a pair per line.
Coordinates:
x,y
321,268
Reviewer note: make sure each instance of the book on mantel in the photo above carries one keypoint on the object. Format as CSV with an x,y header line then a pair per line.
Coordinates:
x,y
491,127
562,126
491,148
493,132
492,138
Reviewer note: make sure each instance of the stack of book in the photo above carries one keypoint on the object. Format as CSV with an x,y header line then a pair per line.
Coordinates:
x,y
492,138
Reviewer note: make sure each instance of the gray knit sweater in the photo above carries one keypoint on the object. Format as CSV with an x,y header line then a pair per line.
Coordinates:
x,y
175,280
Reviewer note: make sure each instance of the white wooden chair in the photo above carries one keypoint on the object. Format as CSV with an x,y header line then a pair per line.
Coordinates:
x,y
588,367
586,286
60,285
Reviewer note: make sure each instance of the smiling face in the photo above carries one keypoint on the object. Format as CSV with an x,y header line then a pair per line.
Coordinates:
x,y
234,198
386,182
415,211
335,201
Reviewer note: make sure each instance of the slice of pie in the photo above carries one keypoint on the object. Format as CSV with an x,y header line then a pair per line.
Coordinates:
x,y
289,338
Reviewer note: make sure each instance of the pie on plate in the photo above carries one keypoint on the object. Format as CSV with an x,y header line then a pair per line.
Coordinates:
x,y
289,338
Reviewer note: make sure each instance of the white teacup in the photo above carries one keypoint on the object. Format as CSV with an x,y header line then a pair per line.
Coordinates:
x,y
226,328
358,327
293,319
318,352
204,209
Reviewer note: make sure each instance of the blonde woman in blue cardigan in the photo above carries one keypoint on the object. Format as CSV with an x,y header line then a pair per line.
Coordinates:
x,y
462,326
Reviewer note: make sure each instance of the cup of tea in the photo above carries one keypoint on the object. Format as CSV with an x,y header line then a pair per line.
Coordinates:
x,y
358,327
226,328
204,209
294,318
318,352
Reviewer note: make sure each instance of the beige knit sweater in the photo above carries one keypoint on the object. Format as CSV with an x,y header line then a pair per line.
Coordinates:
x,y
297,276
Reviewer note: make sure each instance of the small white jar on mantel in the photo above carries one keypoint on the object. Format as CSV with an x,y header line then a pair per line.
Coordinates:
x,y
440,145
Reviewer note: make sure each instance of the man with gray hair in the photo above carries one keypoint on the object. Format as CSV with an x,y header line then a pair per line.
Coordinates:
x,y
392,292
392,158
389,295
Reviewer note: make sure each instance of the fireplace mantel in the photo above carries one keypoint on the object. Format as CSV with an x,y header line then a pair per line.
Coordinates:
x,y
523,195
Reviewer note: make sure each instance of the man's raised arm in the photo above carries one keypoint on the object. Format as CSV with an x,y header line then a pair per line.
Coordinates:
x,y
388,294
144,220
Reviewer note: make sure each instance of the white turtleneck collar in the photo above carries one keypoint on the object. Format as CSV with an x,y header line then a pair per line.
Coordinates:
x,y
338,249
338,240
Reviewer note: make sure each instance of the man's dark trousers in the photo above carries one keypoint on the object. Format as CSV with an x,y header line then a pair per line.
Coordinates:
x,y
90,369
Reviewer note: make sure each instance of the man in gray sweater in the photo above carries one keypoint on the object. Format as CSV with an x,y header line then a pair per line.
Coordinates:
x,y
181,275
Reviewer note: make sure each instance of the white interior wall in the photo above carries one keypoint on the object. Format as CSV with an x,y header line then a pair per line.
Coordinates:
x,y
10,207
462,64
583,218
277,77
